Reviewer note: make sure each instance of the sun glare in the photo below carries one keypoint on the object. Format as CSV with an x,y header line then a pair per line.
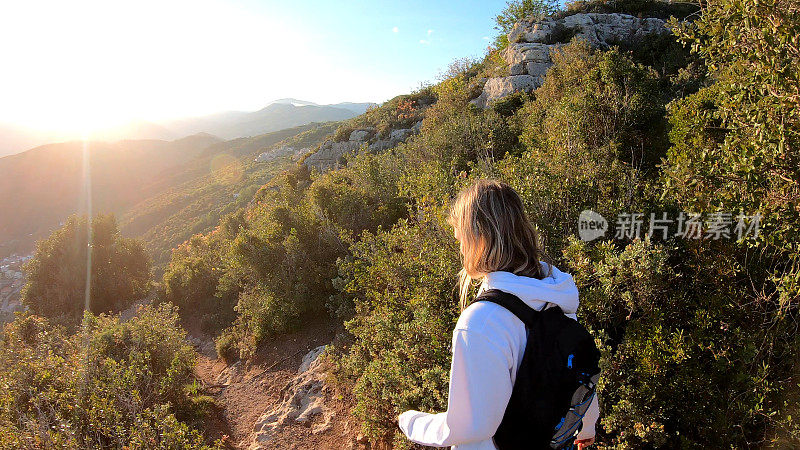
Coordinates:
x,y
90,65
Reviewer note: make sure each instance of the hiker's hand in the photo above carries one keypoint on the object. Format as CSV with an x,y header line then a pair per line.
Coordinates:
x,y
583,443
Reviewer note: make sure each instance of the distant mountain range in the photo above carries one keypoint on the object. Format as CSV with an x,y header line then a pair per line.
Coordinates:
x,y
162,190
39,188
277,115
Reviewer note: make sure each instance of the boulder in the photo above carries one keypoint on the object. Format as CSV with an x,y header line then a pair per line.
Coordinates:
x,y
330,153
401,134
497,88
310,358
230,375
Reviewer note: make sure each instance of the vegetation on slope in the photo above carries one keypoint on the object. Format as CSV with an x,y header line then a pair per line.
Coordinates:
x,y
220,181
698,336
56,275
41,187
112,385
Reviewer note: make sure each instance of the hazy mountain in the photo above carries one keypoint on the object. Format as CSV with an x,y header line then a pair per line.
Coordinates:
x,y
277,115
164,190
280,114
41,187
294,101
138,129
358,108
14,139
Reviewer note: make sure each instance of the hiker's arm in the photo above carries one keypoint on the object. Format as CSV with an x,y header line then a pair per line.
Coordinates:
x,y
589,420
480,386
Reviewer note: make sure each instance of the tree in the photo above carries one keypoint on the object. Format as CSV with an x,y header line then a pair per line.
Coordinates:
x,y
120,270
518,10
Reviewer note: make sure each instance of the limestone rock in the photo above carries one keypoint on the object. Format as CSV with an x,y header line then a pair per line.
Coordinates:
x,y
497,88
230,374
401,134
303,400
310,358
330,153
532,42
361,135
395,138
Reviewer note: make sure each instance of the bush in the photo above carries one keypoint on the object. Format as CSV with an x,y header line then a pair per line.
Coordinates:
x,y
56,275
689,361
113,385
191,282
227,346
401,282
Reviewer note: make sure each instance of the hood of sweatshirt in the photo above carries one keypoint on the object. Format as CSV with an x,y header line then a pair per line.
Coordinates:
x,y
558,288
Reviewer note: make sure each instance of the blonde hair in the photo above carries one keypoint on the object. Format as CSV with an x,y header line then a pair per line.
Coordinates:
x,y
494,234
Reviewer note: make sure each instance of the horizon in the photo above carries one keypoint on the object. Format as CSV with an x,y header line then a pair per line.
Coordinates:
x,y
178,69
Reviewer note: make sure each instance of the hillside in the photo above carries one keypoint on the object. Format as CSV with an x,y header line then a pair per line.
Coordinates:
x,y
149,184
221,180
590,108
44,185
316,296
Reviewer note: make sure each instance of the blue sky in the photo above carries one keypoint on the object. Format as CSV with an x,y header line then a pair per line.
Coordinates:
x,y
94,63
407,41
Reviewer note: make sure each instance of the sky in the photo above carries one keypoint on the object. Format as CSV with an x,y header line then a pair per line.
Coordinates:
x,y
84,64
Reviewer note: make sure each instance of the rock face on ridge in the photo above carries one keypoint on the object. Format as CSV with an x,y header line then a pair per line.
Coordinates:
x,y
330,153
531,42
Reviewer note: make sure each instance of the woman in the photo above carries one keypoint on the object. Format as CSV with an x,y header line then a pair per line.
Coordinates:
x,y
499,247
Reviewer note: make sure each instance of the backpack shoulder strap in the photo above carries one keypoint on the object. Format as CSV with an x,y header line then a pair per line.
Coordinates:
x,y
510,302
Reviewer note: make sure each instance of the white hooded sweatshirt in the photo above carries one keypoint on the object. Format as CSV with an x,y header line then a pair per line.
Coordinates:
x,y
488,344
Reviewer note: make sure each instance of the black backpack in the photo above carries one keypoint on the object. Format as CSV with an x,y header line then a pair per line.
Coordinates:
x,y
555,382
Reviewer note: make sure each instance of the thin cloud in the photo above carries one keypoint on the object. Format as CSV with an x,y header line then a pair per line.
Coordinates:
x,y
395,30
424,42
430,32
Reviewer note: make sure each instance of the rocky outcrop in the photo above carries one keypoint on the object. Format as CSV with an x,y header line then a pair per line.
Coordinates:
x,y
496,88
531,43
395,138
302,403
330,153
271,155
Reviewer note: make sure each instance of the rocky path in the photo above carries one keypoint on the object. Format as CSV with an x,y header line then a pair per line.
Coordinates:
x,y
267,404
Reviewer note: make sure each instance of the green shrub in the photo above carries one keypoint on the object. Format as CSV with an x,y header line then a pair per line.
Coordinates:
x,y
56,275
693,355
227,346
112,385
736,142
401,282
191,281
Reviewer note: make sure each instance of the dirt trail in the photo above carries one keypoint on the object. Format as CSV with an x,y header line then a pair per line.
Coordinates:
x,y
245,392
